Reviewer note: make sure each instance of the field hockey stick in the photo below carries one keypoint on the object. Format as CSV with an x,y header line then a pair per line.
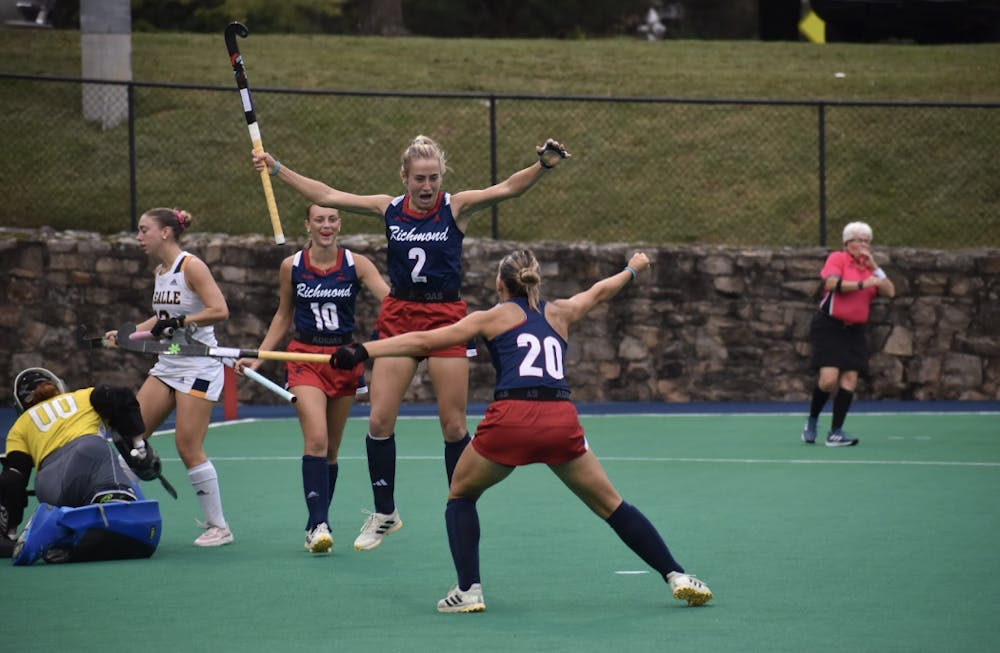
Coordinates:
x,y
263,381
252,374
233,30
167,486
127,341
83,341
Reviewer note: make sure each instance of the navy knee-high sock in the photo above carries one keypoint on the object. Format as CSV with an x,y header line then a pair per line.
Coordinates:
x,y
641,536
452,452
818,401
334,469
382,471
315,487
462,520
841,404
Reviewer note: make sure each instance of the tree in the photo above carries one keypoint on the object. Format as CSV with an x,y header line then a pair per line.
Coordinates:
x,y
378,17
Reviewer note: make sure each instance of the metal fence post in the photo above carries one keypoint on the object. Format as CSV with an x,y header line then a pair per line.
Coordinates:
x,y
132,185
495,210
822,173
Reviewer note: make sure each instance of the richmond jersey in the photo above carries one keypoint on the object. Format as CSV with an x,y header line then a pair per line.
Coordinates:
x,y
531,355
425,250
48,425
324,299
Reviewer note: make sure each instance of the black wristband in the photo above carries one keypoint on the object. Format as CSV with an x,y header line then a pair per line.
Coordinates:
x,y
838,288
861,284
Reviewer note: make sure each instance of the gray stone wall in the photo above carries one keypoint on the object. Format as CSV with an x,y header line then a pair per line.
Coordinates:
x,y
708,323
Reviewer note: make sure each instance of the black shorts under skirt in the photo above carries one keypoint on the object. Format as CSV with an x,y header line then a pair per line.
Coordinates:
x,y
838,344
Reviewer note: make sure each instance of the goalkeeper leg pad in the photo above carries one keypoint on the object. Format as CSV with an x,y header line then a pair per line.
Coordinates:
x,y
108,531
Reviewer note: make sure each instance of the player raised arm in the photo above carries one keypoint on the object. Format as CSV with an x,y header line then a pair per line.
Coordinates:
x,y
320,193
467,202
563,312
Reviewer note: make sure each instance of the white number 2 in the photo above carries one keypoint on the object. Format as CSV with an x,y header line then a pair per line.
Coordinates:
x,y
325,315
420,256
548,349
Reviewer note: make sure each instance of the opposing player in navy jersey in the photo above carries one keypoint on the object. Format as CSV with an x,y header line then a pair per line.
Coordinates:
x,y
319,286
424,228
531,420
185,295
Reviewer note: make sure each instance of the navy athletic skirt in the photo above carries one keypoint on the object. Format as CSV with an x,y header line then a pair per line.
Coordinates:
x,y
839,344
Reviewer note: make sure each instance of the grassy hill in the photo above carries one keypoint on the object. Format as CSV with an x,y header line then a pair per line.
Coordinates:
x,y
740,174
690,69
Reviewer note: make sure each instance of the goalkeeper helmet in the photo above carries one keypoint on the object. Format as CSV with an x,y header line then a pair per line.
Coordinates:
x,y
27,380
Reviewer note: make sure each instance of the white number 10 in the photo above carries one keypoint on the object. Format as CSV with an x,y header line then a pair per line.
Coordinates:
x,y
325,316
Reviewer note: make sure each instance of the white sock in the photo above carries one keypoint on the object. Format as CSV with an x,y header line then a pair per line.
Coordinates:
x,y
205,482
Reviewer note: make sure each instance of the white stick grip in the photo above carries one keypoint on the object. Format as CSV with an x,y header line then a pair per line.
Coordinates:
x,y
263,381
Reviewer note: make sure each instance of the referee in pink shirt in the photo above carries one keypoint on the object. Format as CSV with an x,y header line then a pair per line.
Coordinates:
x,y
851,281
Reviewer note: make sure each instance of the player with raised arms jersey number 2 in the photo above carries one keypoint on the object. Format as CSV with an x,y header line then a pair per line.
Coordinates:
x,y
531,420
424,228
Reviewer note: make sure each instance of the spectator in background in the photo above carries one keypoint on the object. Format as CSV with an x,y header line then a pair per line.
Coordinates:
x,y
851,282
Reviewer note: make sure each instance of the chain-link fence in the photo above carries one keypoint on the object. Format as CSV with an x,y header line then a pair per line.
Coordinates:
x,y
657,170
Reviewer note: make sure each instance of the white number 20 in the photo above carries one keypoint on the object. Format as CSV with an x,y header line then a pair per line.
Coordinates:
x,y
548,349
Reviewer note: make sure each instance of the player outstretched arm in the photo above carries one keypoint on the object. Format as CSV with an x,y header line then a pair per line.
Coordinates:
x,y
420,343
320,193
467,202
572,309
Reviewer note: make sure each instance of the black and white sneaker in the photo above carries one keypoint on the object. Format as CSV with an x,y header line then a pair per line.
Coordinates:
x,y
837,438
470,600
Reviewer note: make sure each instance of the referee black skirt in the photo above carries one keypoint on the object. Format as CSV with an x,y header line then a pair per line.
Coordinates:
x,y
839,344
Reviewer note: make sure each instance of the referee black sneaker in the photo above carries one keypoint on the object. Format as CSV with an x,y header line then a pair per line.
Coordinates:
x,y
809,432
837,438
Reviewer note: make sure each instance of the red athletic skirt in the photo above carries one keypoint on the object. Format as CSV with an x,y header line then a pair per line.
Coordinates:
x,y
333,382
398,316
518,432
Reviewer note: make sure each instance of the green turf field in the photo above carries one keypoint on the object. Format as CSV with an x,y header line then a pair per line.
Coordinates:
x,y
888,546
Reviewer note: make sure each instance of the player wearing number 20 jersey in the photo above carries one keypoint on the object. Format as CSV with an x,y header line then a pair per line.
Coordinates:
x,y
425,272
529,359
531,419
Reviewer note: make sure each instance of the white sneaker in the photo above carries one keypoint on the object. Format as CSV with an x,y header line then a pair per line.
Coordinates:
x,y
319,540
471,600
688,588
375,528
214,536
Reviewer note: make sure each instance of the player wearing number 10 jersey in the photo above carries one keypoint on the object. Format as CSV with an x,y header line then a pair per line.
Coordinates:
x,y
424,228
319,286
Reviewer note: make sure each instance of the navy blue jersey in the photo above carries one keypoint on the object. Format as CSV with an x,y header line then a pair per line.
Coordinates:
x,y
324,299
425,250
531,355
